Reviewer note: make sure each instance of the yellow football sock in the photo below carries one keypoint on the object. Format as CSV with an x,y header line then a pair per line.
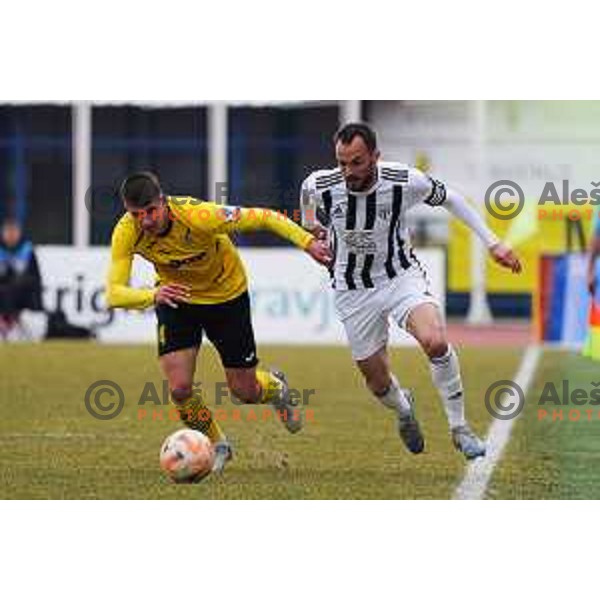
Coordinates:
x,y
270,385
196,415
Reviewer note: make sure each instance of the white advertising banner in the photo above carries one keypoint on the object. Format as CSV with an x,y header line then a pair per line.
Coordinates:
x,y
292,301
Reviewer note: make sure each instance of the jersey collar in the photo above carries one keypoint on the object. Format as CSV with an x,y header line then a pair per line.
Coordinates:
x,y
373,187
166,232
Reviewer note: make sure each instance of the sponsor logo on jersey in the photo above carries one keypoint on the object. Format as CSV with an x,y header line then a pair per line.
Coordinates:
x,y
360,242
176,264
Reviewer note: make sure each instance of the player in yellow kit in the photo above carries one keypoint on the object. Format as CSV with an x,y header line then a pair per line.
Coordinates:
x,y
201,287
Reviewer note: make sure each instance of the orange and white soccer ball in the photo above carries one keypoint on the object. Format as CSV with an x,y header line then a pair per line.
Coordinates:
x,y
187,456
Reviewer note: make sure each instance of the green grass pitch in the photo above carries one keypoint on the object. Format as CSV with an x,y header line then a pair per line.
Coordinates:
x,y
554,458
52,448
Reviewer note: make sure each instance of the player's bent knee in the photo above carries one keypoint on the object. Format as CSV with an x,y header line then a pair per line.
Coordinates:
x,y
434,344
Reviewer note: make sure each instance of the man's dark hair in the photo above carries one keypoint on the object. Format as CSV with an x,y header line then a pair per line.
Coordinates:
x,y
140,189
348,132
11,222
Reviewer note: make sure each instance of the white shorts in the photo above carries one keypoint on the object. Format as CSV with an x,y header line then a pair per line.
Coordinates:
x,y
366,314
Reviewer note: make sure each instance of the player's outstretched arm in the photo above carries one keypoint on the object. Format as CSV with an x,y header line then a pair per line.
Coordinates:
x,y
228,219
499,251
320,251
434,193
119,294
253,219
505,256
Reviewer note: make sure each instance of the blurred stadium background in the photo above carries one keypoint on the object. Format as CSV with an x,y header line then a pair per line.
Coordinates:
x,y
60,165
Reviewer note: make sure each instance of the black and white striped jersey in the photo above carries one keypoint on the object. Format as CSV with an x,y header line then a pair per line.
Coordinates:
x,y
367,230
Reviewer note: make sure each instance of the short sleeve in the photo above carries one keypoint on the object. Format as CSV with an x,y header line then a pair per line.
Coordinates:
x,y
311,205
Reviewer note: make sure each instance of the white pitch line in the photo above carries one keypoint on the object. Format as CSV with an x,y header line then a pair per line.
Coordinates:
x,y
479,472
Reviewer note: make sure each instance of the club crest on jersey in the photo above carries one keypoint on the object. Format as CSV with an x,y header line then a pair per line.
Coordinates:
x,y
384,213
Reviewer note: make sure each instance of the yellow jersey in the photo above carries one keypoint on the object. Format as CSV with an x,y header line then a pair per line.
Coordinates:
x,y
195,250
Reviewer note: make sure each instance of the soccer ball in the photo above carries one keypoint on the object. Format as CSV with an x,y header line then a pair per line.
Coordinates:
x,y
187,456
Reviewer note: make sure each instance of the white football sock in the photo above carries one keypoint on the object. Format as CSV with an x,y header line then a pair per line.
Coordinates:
x,y
445,372
396,399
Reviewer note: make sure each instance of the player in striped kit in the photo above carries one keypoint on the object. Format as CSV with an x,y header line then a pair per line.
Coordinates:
x,y
361,207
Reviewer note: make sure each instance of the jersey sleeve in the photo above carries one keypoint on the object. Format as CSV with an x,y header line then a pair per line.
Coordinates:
x,y
428,190
425,189
311,205
119,294
215,219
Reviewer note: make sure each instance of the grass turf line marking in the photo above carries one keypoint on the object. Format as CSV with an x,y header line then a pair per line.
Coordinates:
x,y
479,472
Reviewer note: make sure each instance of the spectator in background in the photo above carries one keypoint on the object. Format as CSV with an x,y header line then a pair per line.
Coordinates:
x,y
20,282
